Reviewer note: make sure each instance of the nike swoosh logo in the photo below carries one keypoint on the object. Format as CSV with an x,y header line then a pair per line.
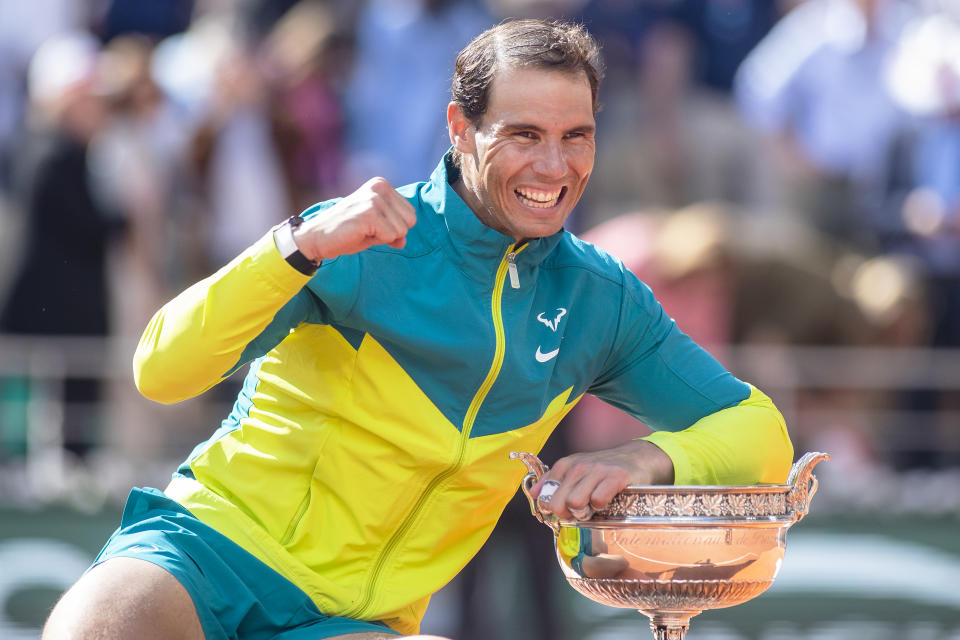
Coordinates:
x,y
546,357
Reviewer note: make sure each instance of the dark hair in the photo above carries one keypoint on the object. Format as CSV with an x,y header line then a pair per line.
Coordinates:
x,y
543,44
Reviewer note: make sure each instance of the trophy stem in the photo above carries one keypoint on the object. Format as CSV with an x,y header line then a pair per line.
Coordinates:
x,y
669,627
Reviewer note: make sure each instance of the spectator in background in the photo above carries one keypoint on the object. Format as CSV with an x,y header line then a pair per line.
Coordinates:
x,y
265,117
923,209
158,18
24,26
261,16
621,27
724,32
814,87
399,85
309,49
644,155
60,287
922,213
667,143
136,163
241,152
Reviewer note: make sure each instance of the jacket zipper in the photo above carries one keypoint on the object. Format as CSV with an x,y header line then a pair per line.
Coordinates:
x,y
496,302
512,269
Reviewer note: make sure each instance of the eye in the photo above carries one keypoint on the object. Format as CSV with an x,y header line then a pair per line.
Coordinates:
x,y
529,135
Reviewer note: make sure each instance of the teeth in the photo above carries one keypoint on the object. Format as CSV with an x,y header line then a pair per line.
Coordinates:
x,y
539,199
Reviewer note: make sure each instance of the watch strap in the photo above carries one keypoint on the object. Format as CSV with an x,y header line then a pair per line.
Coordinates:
x,y
283,238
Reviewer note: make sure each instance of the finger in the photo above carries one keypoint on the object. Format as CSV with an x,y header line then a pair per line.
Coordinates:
x,y
378,185
396,212
399,243
607,489
378,224
393,229
556,472
404,210
595,488
580,497
401,213
546,493
394,203
573,499
569,482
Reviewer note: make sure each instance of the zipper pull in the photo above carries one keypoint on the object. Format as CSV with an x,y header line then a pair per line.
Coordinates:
x,y
512,270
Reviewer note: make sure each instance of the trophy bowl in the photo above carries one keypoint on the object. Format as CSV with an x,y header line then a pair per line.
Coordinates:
x,y
673,551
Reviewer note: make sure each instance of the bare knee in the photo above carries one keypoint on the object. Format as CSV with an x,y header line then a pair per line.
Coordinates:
x,y
124,598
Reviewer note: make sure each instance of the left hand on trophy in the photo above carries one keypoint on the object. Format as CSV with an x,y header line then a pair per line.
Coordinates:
x,y
582,483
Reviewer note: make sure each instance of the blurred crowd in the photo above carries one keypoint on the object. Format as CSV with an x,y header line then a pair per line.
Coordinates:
x,y
781,172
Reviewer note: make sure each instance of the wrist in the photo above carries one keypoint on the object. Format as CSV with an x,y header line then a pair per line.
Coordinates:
x,y
302,237
285,238
654,462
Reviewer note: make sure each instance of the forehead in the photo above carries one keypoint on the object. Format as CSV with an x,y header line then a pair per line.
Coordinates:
x,y
539,96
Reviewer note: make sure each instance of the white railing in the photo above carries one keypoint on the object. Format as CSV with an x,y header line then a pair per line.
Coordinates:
x,y
867,386
871,382
41,366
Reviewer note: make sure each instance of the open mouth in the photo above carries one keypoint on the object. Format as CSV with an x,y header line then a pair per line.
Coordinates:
x,y
540,199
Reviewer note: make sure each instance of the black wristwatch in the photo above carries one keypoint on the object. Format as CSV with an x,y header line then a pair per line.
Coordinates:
x,y
283,238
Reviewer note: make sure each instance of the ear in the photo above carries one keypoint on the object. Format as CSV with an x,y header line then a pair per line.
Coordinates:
x,y
460,129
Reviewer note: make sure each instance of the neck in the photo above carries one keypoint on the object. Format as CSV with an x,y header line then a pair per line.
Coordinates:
x,y
468,195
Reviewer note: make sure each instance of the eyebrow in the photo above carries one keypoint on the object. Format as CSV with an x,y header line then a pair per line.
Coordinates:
x,y
513,128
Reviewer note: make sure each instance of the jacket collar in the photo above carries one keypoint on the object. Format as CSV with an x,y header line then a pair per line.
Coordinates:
x,y
476,248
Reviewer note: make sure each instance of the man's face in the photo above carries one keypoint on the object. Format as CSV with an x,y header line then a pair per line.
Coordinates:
x,y
527,162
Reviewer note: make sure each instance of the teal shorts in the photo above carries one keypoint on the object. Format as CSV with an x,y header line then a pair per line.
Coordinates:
x,y
236,595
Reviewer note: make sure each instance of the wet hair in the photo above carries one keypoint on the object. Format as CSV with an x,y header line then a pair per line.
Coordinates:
x,y
539,44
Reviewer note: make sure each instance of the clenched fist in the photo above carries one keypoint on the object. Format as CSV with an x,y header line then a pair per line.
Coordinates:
x,y
373,214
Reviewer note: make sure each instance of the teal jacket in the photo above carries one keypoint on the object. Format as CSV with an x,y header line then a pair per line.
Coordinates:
x,y
366,458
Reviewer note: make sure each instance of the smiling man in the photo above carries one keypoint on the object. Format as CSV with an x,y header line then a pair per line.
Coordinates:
x,y
526,161
402,342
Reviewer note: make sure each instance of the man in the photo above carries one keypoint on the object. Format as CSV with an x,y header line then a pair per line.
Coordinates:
x,y
448,323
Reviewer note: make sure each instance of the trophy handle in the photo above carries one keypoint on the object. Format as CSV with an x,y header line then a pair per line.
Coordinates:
x,y
537,469
803,484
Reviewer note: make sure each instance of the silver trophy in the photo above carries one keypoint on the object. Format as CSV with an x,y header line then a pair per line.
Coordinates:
x,y
672,552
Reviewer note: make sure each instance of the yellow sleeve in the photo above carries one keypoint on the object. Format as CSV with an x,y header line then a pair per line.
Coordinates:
x,y
195,340
742,445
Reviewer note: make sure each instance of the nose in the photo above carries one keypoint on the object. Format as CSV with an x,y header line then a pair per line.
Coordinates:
x,y
551,162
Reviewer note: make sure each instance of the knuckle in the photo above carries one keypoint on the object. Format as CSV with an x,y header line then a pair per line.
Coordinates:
x,y
580,468
600,499
377,183
558,470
